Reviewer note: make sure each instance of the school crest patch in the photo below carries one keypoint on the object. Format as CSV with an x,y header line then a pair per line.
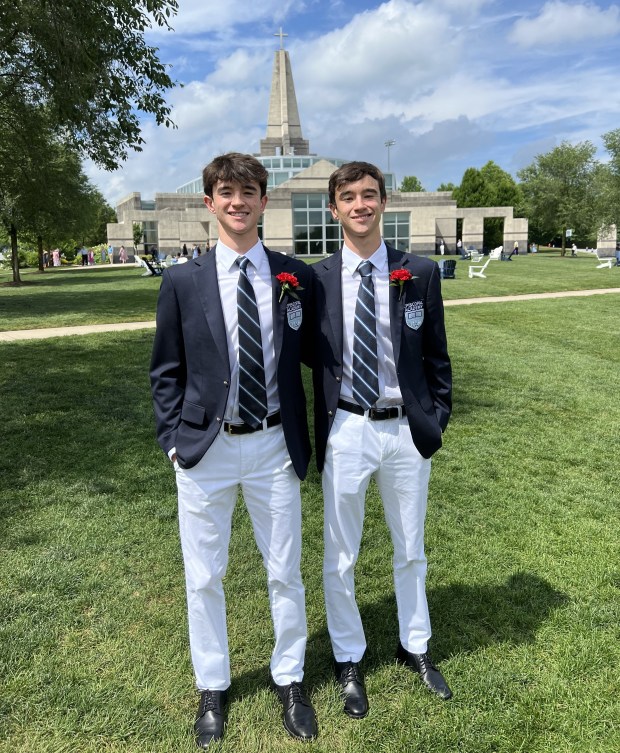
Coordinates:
x,y
294,314
414,314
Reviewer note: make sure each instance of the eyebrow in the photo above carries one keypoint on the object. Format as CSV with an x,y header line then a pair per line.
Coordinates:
x,y
244,187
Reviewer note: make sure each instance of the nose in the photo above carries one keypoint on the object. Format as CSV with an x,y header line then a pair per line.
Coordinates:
x,y
358,203
237,199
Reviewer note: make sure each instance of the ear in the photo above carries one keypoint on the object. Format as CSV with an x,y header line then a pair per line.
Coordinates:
x,y
263,202
208,200
334,211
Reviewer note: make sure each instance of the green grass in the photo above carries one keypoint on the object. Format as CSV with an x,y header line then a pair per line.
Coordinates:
x,y
522,539
62,297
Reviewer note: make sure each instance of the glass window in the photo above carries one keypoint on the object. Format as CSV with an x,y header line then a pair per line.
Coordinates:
x,y
396,229
314,229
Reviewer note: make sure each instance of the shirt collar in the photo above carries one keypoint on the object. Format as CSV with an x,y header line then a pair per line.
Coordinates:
x,y
351,260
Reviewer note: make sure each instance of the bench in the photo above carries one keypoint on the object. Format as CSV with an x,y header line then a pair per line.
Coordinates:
x,y
605,256
478,271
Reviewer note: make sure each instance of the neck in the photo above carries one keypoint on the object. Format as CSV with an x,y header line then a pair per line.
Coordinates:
x,y
363,247
237,243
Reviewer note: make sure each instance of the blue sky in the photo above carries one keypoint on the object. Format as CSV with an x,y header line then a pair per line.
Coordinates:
x,y
454,82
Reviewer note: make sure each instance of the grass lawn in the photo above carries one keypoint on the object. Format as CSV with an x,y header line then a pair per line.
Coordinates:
x,y
67,297
522,539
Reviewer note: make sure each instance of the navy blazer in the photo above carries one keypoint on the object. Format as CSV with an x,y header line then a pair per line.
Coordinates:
x,y
420,351
190,370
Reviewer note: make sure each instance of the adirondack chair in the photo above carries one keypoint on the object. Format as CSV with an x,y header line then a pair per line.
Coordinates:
x,y
477,270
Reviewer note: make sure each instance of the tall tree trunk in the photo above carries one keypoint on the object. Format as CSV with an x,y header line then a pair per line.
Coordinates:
x,y
40,251
563,252
14,255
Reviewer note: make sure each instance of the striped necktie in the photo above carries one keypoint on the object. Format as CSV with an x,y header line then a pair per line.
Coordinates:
x,y
252,391
365,363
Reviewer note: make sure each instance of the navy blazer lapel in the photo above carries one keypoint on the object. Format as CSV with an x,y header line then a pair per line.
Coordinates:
x,y
277,264
397,260
329,272
205,279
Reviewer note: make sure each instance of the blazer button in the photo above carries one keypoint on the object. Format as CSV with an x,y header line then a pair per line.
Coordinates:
x,y
330,412
225,383
338,379
218,419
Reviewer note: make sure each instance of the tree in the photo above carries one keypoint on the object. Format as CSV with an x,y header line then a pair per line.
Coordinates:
x,y
607,181
89,66
411,184
45,196
560,190
446,187
138,235
489,187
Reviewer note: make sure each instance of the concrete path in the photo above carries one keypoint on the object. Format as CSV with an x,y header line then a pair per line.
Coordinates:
x,y
89,329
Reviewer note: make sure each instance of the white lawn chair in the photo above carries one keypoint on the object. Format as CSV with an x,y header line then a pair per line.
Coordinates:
x,y
496,254
478,270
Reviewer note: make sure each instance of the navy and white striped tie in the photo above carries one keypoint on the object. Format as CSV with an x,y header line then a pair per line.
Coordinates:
x,y
365,362
252,391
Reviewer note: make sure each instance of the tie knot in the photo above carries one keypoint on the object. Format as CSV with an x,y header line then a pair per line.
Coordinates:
x,y
242,262
365,268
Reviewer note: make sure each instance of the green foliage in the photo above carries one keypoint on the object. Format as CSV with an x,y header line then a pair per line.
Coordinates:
x,y
446,187
411,184
89,66
561,190
138,234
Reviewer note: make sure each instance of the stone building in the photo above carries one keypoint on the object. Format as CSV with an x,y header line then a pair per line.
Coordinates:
x,y
297,219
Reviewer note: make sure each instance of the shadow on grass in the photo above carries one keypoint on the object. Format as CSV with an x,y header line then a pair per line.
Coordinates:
x,y
466,618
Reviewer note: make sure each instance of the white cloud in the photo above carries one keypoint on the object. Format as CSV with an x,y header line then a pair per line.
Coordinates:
x,y
560,23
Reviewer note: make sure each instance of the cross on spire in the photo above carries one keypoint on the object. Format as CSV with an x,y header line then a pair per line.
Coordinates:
x,y
281,34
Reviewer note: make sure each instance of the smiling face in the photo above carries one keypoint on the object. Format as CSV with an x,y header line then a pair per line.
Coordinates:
x,y
237,207
358,208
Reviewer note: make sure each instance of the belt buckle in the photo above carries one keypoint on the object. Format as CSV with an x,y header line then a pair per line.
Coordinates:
x,y
230,431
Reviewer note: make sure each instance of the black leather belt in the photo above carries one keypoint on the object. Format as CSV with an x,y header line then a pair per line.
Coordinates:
x,y
236,429
374,414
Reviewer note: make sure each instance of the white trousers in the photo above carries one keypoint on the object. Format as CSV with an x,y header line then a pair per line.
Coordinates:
x,y
358,449
258,463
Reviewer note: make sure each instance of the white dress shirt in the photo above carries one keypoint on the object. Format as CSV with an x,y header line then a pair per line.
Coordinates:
x,y
259,274
389,390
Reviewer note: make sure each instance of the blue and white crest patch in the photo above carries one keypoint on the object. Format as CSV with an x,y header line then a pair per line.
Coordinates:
x,y
414,314
294,314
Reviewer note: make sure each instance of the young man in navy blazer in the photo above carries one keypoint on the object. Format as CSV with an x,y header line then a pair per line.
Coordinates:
x,y
388,433
218,445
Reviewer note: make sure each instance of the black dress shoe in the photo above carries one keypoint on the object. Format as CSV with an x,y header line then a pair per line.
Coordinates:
x,y
353,692
299,716
422,664
209,724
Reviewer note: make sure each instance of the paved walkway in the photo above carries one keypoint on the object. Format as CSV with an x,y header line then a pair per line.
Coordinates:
x,y
89,329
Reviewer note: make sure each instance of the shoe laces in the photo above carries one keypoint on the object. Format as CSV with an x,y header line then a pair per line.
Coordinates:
x,y
351,673
425,662
208,702
296,694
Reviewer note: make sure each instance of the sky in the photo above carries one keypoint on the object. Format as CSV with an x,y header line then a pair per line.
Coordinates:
x,y
455,83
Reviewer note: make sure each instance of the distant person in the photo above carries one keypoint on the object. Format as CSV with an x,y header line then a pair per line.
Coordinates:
x,y
122,255
573,250
184,249
111,253
515,249
56,257
83,252
91,258
442,247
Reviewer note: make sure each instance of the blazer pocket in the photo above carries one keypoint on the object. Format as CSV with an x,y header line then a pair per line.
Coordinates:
x,y
193,413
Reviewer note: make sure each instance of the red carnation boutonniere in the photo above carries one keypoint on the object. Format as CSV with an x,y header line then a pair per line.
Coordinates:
x,y
288,284
398,278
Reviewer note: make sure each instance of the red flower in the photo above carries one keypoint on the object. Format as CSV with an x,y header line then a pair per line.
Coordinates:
x,y
288,284
400,275
398,278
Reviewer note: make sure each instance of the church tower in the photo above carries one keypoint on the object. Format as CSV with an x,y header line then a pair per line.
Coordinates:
x,y
283,126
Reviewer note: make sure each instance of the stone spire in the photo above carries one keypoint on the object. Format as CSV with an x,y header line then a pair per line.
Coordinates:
x,y
283,127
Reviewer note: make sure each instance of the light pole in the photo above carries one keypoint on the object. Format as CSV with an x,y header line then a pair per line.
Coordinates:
x,y
389,143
